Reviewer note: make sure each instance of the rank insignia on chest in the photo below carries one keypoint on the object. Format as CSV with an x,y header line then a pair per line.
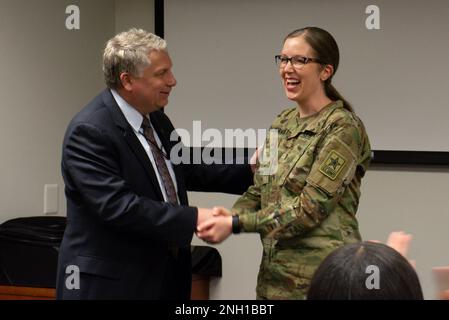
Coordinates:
x,y
333,165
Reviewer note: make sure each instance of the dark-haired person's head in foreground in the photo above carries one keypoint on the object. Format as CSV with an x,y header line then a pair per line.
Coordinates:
x,y
365,271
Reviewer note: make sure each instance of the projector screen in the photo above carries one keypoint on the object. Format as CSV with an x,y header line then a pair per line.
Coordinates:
x,y
394,64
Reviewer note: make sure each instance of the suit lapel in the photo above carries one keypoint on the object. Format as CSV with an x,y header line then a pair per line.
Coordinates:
x,y
131,139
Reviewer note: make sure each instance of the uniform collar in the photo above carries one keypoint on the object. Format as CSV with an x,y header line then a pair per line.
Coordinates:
x,y
316,124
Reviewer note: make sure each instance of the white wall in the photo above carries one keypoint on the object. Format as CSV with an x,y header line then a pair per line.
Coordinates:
x,y
232,44
48,74
134,13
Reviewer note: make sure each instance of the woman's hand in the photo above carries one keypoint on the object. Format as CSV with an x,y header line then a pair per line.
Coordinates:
x,y
217,228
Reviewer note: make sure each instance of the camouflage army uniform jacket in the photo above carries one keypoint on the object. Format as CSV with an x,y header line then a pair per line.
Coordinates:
x,y
305,208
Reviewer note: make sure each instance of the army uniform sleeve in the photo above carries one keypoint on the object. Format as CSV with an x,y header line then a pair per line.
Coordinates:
x,y
334,168
248,203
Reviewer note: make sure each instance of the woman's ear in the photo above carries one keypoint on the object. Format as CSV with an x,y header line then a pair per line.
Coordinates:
x,y
326,72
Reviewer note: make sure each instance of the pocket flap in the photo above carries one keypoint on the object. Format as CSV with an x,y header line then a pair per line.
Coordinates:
x,y
99,266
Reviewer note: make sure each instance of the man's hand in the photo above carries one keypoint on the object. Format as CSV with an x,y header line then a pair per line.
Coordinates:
x,y
220,211
444,295
203,215
216,229
400,241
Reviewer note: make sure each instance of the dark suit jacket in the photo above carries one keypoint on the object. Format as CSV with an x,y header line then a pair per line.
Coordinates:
x,y
119,229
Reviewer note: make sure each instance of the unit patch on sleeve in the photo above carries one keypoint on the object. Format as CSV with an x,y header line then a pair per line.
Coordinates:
x,y
333,165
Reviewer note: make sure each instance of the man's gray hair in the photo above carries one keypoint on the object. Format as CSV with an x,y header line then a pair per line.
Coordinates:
x,y
128,52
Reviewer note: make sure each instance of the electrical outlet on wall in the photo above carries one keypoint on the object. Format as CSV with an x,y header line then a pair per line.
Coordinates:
x,y
51,199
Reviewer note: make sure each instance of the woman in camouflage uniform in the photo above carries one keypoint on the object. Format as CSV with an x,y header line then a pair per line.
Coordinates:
x,y
304,206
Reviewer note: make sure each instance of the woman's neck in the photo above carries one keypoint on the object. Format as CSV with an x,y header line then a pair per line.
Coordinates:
x,y
312,106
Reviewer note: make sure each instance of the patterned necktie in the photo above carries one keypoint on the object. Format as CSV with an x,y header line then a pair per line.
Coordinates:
x,y
161,165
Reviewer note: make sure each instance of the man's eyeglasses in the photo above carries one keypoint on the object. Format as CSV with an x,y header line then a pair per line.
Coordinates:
x,y
298,62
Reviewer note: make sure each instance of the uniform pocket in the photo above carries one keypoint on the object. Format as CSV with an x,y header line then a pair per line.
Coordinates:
x,y
268,245
296,180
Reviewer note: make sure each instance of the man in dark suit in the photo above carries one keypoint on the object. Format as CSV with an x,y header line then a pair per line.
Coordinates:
x,y
129,225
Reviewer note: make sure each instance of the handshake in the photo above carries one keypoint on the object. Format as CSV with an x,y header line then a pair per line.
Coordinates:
x,y
214,226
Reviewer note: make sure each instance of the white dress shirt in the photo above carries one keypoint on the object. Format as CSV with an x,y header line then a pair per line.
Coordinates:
x,y
135,119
